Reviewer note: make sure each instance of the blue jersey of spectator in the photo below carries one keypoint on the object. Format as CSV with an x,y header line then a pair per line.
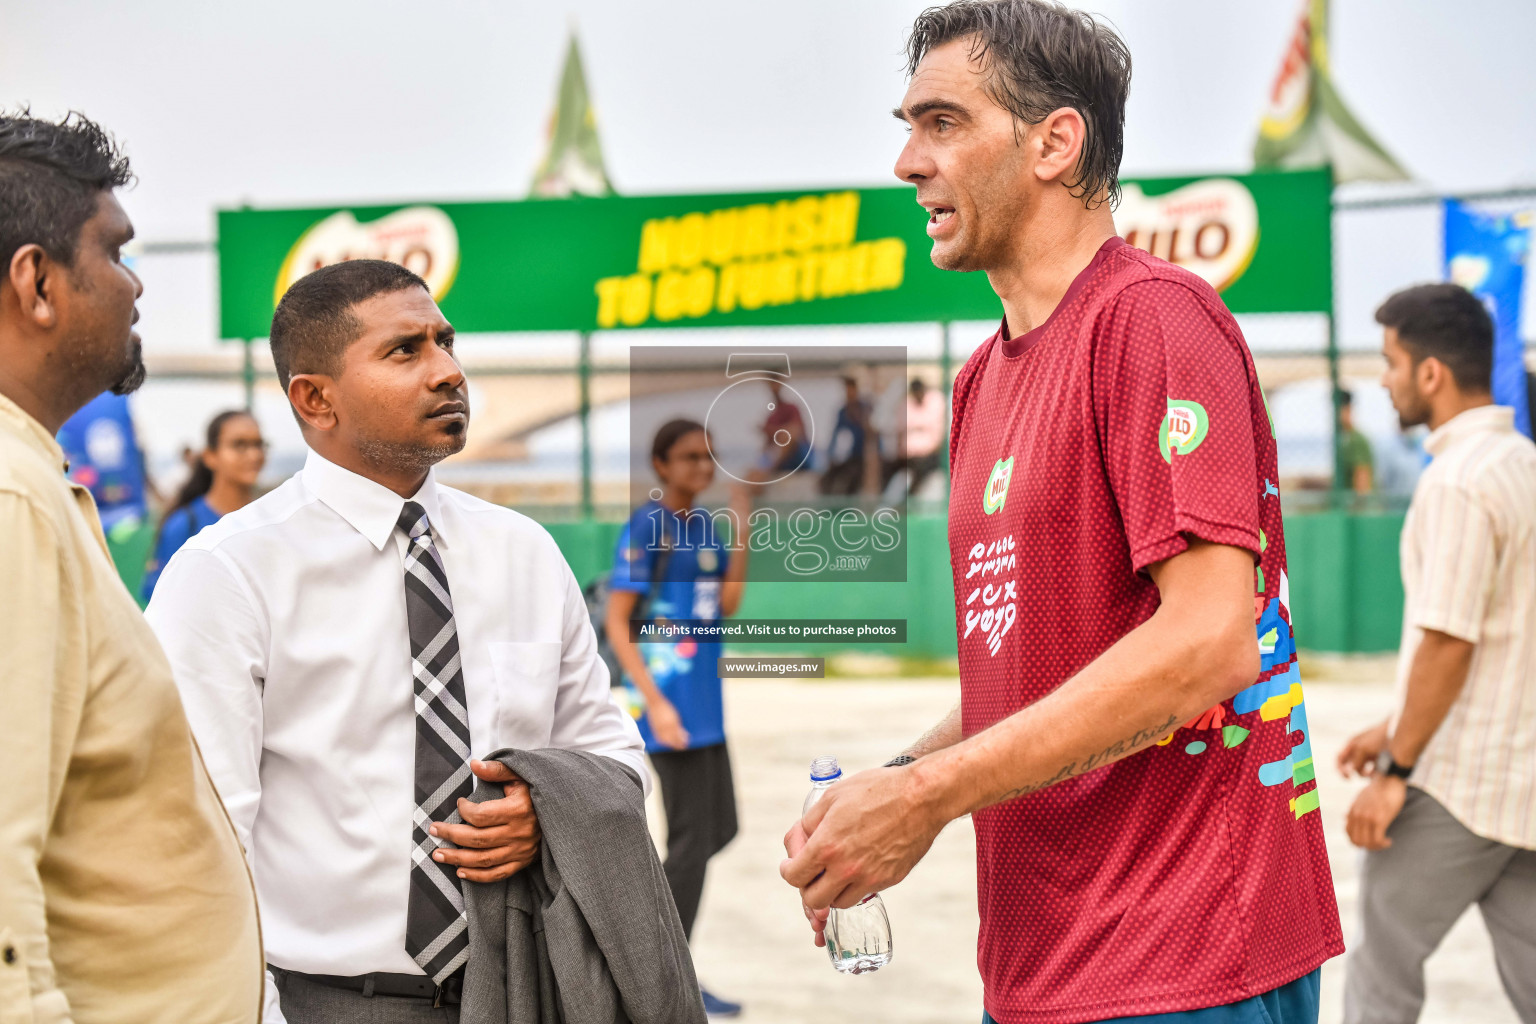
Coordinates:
x,y
850,433
685,670
225,471
104,457
179,527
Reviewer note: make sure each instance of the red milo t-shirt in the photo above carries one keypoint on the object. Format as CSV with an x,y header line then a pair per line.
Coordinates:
x,y
1193,873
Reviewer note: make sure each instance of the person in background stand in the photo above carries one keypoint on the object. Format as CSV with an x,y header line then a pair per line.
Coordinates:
x,y
1357,464
671,564
784,440
223,479
853,441
924,432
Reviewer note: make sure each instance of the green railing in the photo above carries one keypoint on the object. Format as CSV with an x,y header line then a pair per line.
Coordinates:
x,y
1346,587
1346,594
130,553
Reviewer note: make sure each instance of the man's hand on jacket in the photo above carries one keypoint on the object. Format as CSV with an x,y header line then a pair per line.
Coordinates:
x,y
499,837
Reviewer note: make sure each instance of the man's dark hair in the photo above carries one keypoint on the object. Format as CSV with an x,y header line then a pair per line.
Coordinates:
x,y
1447,322
1040,56
314,322
51,175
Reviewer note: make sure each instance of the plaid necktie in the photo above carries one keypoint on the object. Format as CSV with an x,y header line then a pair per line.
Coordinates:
x,y
436,931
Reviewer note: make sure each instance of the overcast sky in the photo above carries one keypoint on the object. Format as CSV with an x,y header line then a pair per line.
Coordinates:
x,y
291,102
346,101
323,100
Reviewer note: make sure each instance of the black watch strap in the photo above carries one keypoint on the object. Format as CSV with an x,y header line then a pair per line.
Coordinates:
x,y
1390,768
898,761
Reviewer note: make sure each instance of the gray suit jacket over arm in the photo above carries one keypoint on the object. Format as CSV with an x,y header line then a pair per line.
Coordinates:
x,y
588,933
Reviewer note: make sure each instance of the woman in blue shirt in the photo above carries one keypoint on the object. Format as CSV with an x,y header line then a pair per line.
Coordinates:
x,y
671,564
223,479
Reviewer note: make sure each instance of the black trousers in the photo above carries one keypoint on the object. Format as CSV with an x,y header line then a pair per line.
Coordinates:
x,y
700,802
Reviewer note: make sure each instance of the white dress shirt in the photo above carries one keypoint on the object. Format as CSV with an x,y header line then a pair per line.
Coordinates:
x,y
285,625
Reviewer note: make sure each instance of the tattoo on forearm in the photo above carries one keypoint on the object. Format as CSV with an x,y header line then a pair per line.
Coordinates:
x,y
1113,752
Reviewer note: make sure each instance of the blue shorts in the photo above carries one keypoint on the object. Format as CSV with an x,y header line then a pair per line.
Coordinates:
x,y
1295,1003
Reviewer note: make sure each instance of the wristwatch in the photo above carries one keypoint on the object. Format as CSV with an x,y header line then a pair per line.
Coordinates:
x,y
898,761
1391,769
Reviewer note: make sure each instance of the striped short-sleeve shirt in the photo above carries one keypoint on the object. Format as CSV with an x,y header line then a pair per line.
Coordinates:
x,y
1469,570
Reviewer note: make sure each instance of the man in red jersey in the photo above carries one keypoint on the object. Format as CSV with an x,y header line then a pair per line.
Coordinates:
x,y
1131,740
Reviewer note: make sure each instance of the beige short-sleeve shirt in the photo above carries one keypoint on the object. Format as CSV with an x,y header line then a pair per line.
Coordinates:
x,y
1469,570
124,894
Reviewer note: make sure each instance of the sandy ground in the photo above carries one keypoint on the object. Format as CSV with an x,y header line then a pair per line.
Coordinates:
x,y
751,941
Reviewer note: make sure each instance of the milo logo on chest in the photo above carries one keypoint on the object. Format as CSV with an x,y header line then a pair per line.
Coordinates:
x,y
996,491
1184,427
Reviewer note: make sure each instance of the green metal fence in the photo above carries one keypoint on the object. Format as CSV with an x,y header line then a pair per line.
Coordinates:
x,y
1346,594
1346,588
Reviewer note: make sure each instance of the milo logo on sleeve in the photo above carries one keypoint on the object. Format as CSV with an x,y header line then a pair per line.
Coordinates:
x,y
996,491
1184,427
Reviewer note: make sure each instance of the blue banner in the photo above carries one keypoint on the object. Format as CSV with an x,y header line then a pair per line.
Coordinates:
x,y
104,456
1486,253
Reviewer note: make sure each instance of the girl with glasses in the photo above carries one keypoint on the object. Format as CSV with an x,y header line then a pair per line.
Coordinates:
x,y
223,479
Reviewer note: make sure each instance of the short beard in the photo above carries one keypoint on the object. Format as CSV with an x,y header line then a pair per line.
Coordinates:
x,y
980,252
1004,205
130,382
400,456
957,261
1415,416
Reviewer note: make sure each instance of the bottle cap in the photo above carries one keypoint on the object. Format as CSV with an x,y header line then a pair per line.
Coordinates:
x,y
824,769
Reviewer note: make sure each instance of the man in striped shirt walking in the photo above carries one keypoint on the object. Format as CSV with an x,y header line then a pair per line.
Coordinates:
x,y
1449,813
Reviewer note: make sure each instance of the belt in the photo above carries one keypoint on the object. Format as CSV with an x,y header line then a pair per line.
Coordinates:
x,y
411,986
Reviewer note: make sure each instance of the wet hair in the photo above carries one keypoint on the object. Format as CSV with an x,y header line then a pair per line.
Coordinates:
x,y
670,433
1448,323
52,174
1039,56
315,322
201,480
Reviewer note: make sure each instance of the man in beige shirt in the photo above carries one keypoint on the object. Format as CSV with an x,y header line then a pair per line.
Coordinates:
x,y
124,894
1449,815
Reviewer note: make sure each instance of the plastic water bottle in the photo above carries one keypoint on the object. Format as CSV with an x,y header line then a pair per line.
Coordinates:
x,y
859,938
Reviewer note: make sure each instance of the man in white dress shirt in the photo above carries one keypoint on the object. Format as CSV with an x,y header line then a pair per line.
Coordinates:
x,y
346,643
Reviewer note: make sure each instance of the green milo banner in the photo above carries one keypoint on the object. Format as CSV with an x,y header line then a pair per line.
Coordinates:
x,y
775,258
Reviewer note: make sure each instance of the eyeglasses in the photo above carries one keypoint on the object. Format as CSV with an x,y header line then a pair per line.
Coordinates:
x,y
244,447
